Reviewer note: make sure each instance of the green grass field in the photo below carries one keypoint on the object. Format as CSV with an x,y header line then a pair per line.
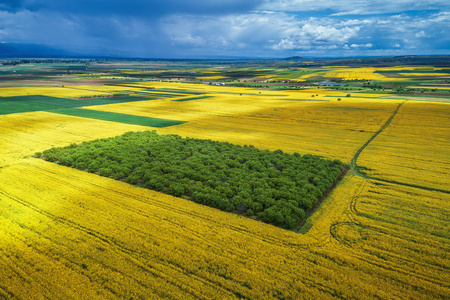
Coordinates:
x,y
115,117
20,104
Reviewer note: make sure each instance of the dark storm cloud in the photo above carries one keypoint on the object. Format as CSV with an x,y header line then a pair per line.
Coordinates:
x,y
10,5
251,28
150,8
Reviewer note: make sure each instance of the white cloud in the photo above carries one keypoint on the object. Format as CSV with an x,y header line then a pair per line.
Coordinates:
x,y
440,17
188,40
356,22
314,36
276,31
284,44
353,7
283,31
421,34
368,45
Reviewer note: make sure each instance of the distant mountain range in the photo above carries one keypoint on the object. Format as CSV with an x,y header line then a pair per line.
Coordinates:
x,y
16,50
294,58
29,50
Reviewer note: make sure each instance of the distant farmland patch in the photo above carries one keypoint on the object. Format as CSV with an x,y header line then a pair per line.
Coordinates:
x,y
274,187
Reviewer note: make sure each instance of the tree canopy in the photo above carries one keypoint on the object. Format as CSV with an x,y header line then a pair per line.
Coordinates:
x,y
272,186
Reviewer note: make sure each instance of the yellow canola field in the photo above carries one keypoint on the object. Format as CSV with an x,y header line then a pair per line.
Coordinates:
x,y
83,236
61,92
27,133
414,148
369,73
364,73
68,234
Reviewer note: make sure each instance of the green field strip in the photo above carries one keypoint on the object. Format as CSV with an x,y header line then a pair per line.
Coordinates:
x,y
192,98
431,86
21,104
116,117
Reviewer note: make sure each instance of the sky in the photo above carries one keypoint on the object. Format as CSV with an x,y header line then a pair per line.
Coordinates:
x,y
229,28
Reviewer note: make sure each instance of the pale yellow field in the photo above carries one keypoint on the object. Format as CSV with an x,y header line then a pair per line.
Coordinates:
x,y
412,68
369,73
61,92
68,234
27,133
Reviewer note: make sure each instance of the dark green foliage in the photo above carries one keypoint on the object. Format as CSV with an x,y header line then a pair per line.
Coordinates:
x,y
275,187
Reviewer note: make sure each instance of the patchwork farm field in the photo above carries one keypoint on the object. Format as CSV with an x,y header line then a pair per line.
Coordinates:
x,y
381,233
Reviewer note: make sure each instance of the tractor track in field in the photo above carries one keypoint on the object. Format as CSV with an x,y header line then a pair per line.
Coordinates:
x,y
127,252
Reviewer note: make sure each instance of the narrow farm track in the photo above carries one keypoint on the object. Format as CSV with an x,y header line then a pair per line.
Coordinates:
x,y
353,163
358,171
375,255
133,257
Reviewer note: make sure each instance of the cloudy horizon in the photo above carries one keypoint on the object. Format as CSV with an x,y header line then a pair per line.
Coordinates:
x,y
229,28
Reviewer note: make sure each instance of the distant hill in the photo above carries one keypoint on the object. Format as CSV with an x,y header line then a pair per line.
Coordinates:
x,y
294,58
9,50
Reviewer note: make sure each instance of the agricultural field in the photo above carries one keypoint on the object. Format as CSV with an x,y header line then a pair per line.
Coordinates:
x,y
381,233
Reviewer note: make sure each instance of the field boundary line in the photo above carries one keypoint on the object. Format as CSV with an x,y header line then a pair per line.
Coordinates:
x,y
408,184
